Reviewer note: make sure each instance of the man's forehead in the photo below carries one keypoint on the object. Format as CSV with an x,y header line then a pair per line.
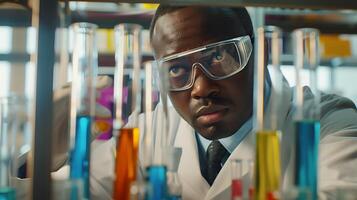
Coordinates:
x,y
177,27
187,28
169,23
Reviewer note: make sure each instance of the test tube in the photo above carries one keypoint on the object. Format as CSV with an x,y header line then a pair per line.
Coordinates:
x,y
156,138
160,168
267,163
250,179
127,101
85,64
14,140
237,179
150,89
151,99
307,125
174,185
6,153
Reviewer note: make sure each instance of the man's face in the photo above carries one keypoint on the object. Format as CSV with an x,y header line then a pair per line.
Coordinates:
x,y
215,109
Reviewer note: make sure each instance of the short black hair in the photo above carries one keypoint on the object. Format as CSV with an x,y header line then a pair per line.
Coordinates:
x,y
233,13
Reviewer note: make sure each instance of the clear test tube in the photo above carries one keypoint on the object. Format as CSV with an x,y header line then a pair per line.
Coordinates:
x,y
237,179
140,188
150,89
162,174
267,163
156,136
307,125
127,101
85,66
15,141
6,148
250,179
174,184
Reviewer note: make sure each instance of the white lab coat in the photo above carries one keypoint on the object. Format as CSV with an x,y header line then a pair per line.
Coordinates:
x,y
337,152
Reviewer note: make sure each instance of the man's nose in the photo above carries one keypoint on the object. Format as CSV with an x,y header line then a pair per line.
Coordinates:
x,y
203,86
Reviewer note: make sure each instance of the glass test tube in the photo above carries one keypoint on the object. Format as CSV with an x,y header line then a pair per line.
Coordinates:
x,y
155,138
174,185
150,89
127,100
237,179
6,151
15,141
267,165
251,179
306,47
158,171
85,65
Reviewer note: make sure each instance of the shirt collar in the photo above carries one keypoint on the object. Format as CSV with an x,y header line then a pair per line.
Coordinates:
x,y
231,142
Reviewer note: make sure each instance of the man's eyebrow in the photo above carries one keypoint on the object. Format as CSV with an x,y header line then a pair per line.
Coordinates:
x,y
172,62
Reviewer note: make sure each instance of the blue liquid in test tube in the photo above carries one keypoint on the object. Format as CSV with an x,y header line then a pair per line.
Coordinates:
x,y
307,144
7,193
157,181
80,154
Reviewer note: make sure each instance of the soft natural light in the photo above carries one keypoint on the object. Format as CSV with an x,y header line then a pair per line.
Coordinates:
x,y
30,80
345,82
31,40
4,78
323,76
343,85
5,39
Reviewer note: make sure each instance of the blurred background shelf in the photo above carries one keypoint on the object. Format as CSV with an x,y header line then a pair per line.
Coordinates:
x,y
327,21
315,4
110,19
15,17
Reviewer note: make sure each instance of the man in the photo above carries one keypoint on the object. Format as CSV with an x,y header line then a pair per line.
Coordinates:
x,y
213,109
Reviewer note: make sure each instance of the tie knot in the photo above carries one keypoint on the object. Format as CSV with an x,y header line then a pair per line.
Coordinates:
x,y
216,152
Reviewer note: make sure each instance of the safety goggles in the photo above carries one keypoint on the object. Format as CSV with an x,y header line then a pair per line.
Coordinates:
x,y
218,61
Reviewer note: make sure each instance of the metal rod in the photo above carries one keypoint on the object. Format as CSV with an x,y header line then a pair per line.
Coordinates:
x,y
43,17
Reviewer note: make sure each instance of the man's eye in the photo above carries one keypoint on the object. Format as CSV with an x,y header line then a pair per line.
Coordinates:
x,y
217,56
176,71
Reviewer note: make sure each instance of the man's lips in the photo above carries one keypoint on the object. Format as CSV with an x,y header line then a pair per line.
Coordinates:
x,y
208,115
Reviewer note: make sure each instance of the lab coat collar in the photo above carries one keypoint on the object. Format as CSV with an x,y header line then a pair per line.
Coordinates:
x,y
194,184
246,149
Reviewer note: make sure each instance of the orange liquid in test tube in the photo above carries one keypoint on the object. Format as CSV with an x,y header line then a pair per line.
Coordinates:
x,y
125,162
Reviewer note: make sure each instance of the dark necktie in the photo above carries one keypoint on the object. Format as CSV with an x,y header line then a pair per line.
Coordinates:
x,y
215,154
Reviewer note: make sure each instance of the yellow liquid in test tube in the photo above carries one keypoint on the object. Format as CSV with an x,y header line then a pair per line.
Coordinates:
x,y
267,168
125,162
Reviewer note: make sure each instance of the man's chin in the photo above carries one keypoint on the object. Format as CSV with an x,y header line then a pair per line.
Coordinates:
x,y
212,133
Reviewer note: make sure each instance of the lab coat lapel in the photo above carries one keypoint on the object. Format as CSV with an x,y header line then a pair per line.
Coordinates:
x,y
194,186
284,106
221,186
246,149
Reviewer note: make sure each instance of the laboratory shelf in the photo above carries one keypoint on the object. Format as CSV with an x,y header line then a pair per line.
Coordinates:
x,y
315,4
327,21
110,19
15,17
15,57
